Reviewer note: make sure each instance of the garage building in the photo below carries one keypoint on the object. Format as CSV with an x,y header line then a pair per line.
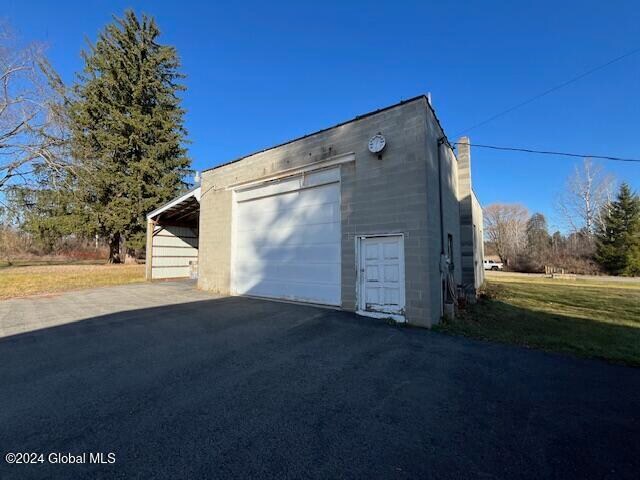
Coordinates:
x,y
376,215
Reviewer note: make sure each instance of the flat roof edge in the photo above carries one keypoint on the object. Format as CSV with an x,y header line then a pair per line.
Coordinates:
x,y
355,119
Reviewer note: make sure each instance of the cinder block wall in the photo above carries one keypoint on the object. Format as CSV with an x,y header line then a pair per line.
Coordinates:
x,y
451,212
389,195
477,219
214,256
466,211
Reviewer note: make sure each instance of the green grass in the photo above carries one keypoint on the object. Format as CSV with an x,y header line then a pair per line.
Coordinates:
x,y
41,280
590,318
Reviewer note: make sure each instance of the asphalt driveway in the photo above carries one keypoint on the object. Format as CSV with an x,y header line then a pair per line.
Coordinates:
x,y
238,388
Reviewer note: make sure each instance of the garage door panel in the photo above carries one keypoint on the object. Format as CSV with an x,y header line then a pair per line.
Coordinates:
x,y
325,253
291,214
288,245
272,234
289,237
305,197
293,291
291,217
292,184
310,273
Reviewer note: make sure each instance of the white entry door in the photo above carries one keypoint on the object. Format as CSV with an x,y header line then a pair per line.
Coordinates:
x,y
382,288
287,239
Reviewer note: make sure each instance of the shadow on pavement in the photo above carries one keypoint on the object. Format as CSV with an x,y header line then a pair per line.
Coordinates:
x,y
237,387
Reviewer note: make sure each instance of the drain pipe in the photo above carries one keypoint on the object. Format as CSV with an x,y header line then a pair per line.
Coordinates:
x,y
443,265
441,141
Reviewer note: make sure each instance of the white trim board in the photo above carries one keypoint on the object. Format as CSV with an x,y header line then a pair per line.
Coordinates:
x,y
295,171
303,181
193,193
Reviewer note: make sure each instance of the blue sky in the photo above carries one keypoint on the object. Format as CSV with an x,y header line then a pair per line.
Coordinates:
x,y
265,72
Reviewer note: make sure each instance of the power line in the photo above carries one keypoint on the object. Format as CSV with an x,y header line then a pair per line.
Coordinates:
x,y
551,90
546,152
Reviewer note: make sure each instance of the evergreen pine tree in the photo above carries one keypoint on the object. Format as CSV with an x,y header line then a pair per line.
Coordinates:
x,y
618,240
538,242
537,233
48,211
127,130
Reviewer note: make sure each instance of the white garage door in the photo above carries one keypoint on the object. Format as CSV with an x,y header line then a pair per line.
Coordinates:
x,y
287,239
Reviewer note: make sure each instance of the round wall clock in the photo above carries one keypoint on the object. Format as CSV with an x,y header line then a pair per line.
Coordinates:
x,y
377,143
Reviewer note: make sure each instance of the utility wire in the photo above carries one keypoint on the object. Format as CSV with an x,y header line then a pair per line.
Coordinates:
x,y
547,92
546,152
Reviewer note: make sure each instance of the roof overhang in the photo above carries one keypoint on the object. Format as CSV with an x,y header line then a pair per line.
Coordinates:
x,y
181,209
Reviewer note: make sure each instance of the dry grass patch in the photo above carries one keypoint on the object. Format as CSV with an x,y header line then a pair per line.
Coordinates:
x,y
38,280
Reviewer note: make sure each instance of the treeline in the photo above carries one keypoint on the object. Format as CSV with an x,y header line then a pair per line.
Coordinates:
x,y
90,159
18,246
605,238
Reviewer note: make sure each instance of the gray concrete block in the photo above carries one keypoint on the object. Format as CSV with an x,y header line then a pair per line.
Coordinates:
x,y
397,194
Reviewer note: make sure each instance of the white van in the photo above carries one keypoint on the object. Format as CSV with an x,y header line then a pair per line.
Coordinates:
x,y
493,265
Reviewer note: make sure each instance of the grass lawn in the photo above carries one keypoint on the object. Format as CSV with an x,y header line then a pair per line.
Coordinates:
x,y
586,317
34,262
34,280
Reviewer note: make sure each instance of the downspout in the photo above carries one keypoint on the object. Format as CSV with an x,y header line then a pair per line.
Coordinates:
x,y
442,262
441,141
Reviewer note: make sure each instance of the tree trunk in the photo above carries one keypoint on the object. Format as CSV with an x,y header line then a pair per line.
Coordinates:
x,y
114,248
127,254
123,249
130,256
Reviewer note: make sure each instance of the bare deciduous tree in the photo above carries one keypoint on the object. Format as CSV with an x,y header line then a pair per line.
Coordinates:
x,y
505,226
32,130
587,190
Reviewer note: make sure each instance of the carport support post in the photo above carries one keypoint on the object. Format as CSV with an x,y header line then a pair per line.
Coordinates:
x,y
149,251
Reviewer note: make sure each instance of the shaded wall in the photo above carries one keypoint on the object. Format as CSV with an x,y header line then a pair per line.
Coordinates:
x,y
478,247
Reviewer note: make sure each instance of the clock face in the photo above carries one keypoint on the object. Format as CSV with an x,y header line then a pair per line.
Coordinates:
x,y
377,143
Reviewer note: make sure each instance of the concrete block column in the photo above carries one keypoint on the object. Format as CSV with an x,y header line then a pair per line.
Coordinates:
x,y
466,210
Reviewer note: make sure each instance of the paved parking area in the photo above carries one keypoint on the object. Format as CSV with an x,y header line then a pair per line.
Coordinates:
x,y
26,314
200,387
